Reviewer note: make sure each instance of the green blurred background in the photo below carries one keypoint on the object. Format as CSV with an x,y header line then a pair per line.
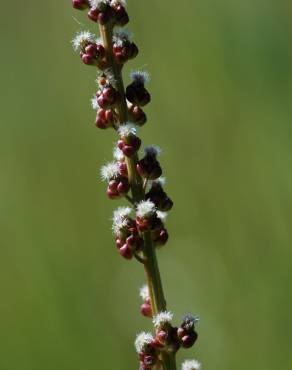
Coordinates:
x,y
221,88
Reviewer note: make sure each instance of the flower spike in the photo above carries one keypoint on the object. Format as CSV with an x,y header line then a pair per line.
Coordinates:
x,y
139,229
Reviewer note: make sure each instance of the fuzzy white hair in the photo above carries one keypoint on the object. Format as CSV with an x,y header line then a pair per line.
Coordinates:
x,y
144,292
141,77
162,318
145,208
121,218
191,365
127,129
82,38
109,171
142,340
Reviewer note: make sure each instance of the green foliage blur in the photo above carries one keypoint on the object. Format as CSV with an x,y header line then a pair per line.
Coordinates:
x,y
221,89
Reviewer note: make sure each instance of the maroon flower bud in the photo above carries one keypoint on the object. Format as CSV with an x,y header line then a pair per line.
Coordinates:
x,y
90,49
129,150
112,194
126,252
109,116
120,54
131,241
121,144
161,237
123,169
119,243
123,186
93,14
148,167
123,52
133,51
100,51
148,301
130,147
181,332
186,333
101,120
157,344
146,310
102,101
80,4
117,48
121,15
162,337
112,190
189,340
86,59
137,94
134,241
119,58
137,115
110,94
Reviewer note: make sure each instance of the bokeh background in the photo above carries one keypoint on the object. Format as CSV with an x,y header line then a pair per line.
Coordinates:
x,y
221,88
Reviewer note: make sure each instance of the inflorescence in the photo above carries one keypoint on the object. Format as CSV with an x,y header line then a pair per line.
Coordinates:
x,y
122,110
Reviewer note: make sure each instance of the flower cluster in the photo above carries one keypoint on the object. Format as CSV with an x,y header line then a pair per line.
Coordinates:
x,y
91,50
139,227
167,338
103,11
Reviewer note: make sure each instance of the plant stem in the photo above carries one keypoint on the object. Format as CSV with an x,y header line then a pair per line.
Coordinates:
x,y
158,301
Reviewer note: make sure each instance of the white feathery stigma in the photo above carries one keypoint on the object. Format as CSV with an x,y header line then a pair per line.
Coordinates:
x,y
97,3
162,215
152,150
109,171
191,365
121,213
162,318
143,339
117,2
127,129
94,104
120,219
118,154
121,35
145,208
82,38
118,226
189,321
144,292
141,77
98,41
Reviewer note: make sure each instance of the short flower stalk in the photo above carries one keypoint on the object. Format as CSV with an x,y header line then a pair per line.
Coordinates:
x,y
139,229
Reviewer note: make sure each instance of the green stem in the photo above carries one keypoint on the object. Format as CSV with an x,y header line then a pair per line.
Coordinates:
x,y
158,301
